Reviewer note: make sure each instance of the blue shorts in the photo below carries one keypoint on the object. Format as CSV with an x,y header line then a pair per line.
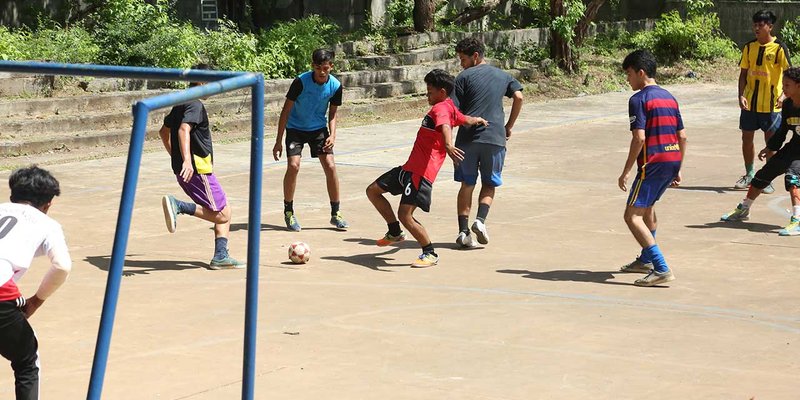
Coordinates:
x,y
646,192
483,157
753,121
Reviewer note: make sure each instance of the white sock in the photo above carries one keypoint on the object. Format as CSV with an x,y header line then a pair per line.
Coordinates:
x,y
746,203
796,213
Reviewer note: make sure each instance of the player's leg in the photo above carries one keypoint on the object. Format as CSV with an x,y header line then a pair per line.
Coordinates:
x,y
774,167
769,122
388,182
289,186
295,140
491,160
748,123
792,183
643,263
18,344
428,258
332,181
466,173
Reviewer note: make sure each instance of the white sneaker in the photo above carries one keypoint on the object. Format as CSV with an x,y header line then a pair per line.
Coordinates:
x,y
480,231
655,278
465,240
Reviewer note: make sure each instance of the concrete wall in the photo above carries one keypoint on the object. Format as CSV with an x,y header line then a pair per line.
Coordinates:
x,y
736,17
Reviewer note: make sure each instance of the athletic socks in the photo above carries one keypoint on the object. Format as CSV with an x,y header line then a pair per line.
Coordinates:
x,y
751,171
644,257
185,208
463,223
746,203
220,248
654,253
288,206
428,249
796,211
483,211
394,228
334,207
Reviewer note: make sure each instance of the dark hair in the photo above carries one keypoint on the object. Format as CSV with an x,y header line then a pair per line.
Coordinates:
x,y
440,79
469,46
792,74
33,185
320,56
203,67
641,60
765,16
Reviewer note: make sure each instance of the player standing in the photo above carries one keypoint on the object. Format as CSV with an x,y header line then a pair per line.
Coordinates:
x,y
27,231
658,147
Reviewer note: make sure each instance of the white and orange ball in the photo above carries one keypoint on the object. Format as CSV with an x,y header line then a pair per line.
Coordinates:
x,y
299,252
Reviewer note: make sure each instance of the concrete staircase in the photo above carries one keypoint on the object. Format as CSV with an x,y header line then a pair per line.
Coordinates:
x,y
43,124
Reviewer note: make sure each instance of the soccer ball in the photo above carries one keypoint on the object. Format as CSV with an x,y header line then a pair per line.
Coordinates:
x,y
299,252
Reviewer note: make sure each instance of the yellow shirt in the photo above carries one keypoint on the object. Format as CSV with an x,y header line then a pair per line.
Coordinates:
x,y
765,64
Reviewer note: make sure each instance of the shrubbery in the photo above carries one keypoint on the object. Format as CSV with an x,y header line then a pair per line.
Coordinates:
x,y
132,32
697,37
790,35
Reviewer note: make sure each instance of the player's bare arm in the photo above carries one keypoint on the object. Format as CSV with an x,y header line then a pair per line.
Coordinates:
x,y
637,141
742,84
456,154
475,121
277,150
164,133
682,144
329,142
516,107
183,137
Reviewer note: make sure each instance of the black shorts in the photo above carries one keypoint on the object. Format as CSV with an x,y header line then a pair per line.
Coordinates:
x,y
415,189
295,139
18,344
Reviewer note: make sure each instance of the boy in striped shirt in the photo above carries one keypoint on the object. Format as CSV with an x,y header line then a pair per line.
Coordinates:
x,y
658,145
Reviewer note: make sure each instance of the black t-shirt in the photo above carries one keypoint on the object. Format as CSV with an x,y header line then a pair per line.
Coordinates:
x,y
479,92
297,87
790,122
194,114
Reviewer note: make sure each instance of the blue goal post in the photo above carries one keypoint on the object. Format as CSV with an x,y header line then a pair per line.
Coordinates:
x,y
219,82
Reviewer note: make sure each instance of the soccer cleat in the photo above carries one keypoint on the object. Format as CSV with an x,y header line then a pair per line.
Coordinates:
x,y
743,182
425,260
655,278
170,212
388,239
480,231
338,221
291,221
793,229
227,262
768,190
637,266
738,214
465,240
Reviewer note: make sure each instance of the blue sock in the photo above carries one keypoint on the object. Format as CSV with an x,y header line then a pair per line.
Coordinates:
x,y
643,257
220,248
659,264
186,208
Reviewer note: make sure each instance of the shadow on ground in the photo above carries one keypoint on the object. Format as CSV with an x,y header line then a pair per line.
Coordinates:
x,y
750,226
271,227
715,189
144,267
573,275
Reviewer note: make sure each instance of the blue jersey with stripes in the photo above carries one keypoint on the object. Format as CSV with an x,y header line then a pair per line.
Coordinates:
x,y
656,111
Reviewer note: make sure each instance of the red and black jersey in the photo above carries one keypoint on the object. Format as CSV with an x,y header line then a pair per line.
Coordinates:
x,y
429,152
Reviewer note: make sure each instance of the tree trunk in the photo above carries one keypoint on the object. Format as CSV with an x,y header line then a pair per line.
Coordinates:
x,y
559,48
424,11
470,14
582,30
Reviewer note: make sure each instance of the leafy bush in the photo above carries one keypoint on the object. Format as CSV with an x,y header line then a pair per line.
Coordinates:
x,y
290,44
790,34
698,37
72,45
10,44
121,26
400,13
175,45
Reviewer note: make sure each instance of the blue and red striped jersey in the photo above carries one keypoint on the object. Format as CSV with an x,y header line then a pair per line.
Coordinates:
x,y
656,111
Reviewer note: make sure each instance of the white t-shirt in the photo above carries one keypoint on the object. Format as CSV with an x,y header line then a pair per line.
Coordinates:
x,y
26,232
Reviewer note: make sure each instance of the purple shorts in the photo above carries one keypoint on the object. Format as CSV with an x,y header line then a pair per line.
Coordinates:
x,y
205,190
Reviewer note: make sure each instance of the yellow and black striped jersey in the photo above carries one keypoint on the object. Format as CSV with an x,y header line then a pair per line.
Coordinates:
x,y
765,64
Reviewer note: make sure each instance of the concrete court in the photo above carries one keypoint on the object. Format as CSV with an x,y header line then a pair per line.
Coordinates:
x,y
539,313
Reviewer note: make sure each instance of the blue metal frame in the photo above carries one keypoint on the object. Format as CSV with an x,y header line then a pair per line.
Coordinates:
x,y
220,82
